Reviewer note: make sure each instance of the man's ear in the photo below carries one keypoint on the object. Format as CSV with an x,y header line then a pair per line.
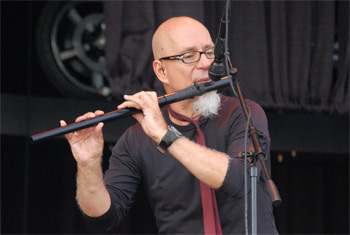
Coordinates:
x,y
159,71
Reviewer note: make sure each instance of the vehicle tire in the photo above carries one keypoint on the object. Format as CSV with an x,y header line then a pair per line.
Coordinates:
x,y
70,43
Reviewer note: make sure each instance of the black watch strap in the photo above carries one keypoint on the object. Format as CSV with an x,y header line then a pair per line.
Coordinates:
x,y
171,135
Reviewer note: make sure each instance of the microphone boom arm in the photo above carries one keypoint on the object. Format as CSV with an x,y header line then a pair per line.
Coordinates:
x,y
254,134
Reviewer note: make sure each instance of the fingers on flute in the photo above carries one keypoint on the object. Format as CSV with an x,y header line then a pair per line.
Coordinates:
x,y
89,115
128,104
99,112
138,100
63,123
98,129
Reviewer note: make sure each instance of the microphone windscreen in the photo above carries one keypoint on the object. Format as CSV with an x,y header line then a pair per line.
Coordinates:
x,y
216,71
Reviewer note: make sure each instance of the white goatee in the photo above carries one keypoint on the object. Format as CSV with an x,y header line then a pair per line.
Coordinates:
x,y
207,105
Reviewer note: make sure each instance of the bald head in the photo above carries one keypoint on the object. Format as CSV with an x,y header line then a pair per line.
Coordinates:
x,y
175,34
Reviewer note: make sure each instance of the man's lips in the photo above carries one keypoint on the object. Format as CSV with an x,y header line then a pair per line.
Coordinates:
x,y
203,80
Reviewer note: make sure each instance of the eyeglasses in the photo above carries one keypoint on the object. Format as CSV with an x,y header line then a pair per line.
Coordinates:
x,y
191,57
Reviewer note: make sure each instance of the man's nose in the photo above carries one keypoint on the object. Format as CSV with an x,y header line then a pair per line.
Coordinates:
x,y
204,62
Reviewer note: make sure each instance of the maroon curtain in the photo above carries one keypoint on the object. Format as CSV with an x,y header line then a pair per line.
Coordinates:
x,y
291,55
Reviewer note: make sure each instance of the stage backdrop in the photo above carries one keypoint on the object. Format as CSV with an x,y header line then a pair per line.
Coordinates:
x,y
290,55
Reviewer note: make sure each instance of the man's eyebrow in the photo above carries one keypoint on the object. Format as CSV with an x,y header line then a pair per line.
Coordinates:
x,y
193,48
188,49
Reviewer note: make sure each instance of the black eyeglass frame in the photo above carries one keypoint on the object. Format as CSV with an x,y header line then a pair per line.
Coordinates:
x,y
181,57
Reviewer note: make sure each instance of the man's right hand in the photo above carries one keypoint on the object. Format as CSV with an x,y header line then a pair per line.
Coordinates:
x,y
87,144
87,148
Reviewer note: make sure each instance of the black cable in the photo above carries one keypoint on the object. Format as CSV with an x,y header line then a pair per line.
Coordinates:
x,y
248,119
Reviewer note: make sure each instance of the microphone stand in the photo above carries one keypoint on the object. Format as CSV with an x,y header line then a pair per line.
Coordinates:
x,y
258,155
254,134
188,93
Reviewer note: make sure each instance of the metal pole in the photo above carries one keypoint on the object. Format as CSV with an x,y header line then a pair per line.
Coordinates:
x,y
253,177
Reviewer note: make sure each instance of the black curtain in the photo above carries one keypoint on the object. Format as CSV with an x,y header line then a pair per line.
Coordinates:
x,y
130,27
284,51
291,55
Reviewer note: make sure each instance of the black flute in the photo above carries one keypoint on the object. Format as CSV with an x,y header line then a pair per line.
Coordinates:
x,y
188,93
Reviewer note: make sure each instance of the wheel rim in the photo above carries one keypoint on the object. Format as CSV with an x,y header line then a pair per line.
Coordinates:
x,y
78,43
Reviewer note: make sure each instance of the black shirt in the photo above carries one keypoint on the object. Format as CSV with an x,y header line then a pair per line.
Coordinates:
x,y
173,192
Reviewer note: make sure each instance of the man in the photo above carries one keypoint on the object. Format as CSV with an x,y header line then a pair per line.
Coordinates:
x,y
177,182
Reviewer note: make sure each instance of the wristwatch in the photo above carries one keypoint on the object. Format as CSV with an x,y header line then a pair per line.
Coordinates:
x,y
171,135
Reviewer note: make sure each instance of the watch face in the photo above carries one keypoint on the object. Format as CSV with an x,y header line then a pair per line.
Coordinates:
x,y
168,138
174,130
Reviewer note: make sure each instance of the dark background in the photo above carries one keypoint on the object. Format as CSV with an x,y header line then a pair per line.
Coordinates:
x,y
310,150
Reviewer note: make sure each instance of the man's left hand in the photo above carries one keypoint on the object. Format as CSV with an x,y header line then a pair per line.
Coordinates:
x,y
151,118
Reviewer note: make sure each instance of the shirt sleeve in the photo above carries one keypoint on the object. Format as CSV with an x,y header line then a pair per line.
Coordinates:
x,y
233,184
101,224
122,180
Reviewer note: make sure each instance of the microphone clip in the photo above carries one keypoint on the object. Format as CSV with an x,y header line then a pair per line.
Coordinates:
x,y
250,156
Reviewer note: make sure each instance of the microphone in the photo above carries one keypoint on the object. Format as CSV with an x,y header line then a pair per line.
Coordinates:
x,y
217,68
